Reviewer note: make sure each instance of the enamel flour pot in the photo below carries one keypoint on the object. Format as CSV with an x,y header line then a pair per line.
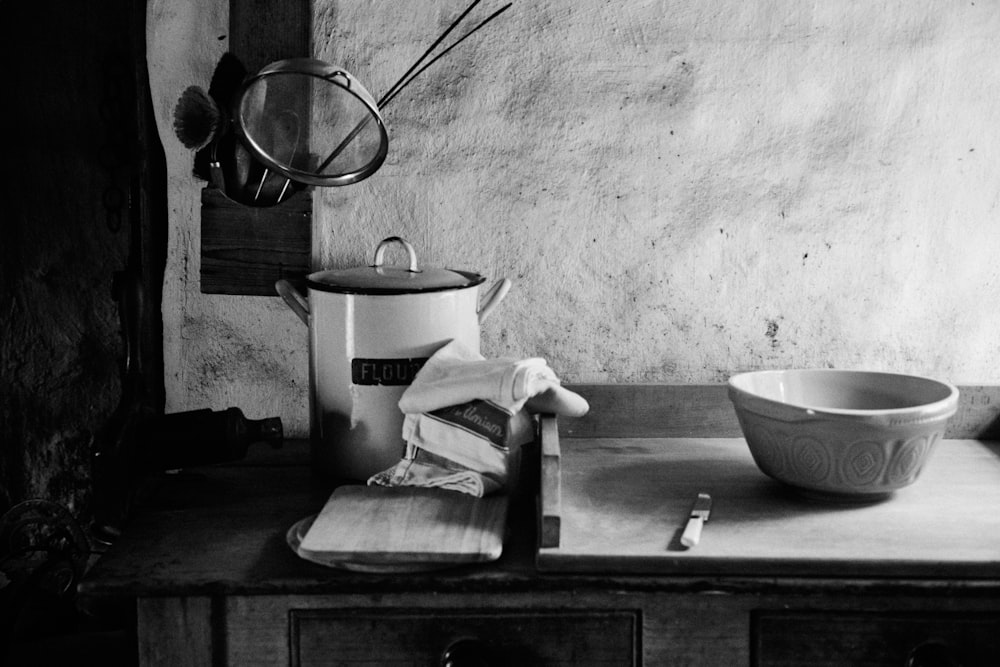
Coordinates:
x,y
371,328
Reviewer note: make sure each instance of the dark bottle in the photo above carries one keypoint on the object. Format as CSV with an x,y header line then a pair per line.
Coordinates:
x,y
201,437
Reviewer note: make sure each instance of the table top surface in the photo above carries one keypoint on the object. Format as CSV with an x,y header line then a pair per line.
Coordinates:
x,y
225,529
625,503
222,530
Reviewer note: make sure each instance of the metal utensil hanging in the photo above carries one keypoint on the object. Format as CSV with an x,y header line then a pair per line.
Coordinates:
x,y
294,111
294,105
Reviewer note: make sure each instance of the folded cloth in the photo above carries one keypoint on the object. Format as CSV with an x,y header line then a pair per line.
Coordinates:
x,y
474,448
427,470
467,418
455,374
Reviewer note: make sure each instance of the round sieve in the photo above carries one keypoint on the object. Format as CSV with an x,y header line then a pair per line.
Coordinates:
x,y
311,122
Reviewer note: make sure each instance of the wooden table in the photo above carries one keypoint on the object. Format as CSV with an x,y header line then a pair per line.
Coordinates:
x,y
626,501
215,583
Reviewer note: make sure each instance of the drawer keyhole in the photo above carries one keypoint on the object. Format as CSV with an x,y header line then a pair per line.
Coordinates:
x,y
465,653
931,654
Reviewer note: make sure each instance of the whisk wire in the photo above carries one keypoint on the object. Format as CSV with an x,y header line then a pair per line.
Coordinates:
x,y
389,96
416,63
406,79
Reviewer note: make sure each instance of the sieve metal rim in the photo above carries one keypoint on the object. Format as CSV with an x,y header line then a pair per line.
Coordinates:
x,y
333,75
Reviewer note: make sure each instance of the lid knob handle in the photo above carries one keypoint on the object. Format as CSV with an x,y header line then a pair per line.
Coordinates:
x,y
380,253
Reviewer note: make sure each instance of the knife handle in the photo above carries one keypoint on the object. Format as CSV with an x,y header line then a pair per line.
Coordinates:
x,y
692,531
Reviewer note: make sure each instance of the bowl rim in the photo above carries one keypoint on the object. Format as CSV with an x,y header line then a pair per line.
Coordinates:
x,y
944,407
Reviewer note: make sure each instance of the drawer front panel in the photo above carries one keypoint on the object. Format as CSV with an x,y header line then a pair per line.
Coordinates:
x,y
414,637
792,639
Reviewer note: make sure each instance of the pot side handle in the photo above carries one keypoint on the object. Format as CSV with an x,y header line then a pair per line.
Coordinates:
x,y
294,299
494,295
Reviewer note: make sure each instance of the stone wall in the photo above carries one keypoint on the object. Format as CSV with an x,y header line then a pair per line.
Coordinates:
x,y
70,102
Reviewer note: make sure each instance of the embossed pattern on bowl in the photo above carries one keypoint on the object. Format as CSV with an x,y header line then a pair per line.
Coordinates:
x,y
843,435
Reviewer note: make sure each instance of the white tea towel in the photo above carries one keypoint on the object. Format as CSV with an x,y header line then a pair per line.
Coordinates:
x,y
455,374
421,468
467,418
474,448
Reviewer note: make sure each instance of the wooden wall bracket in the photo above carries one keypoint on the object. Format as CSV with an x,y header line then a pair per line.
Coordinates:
x,y
245,249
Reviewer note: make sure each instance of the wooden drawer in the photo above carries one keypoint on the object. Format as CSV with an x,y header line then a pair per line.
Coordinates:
x,y
414,637
792,639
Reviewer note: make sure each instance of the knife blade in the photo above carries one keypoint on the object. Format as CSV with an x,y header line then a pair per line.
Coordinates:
x,y
699,515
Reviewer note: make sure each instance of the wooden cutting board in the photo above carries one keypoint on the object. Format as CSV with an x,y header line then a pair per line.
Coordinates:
x,y
619,505
404,528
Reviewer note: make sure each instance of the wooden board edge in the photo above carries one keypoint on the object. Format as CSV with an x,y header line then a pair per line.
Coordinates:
x,y
565,562
550,487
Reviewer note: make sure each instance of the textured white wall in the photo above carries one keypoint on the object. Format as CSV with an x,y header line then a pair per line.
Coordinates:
x,y
679,190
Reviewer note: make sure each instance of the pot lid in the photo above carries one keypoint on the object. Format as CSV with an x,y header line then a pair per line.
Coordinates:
x,y
381,279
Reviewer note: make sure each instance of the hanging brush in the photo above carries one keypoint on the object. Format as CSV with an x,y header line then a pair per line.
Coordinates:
x,y
196,118
198,122
201,122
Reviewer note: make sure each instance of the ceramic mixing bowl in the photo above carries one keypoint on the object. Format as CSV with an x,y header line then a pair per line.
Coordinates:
x,y
841,434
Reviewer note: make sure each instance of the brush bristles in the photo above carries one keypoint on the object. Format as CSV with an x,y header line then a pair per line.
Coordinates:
x,y
196,118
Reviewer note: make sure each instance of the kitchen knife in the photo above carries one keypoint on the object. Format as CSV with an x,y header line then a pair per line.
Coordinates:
x,y
699,515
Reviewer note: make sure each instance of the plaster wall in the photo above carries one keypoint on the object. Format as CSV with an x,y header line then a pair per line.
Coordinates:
x,y
679,190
